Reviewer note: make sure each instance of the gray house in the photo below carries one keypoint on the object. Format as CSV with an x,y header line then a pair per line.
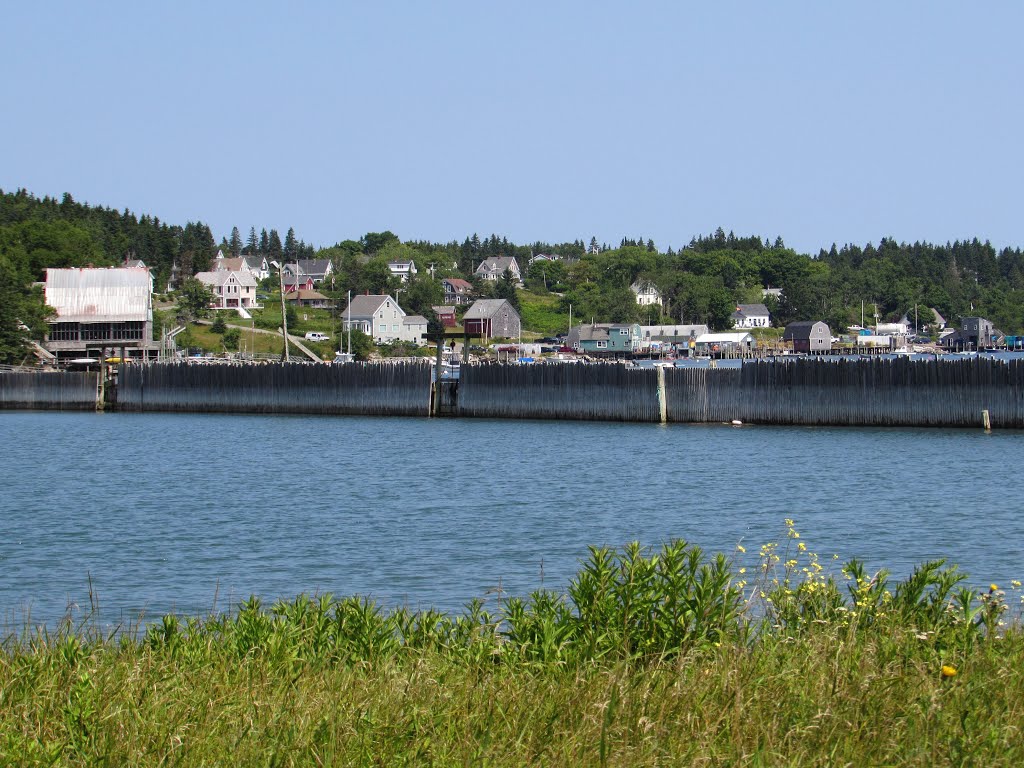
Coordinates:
x,y
492,318
811,336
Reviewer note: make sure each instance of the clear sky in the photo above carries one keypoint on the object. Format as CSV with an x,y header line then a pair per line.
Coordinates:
x,y
817,121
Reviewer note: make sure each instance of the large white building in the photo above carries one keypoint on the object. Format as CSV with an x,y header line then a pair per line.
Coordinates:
x,y
100,312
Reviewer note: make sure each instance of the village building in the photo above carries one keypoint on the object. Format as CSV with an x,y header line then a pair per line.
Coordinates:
x,y
621,339
378,316
646,293
494,268
317,270
751,316
446,316
679,337
725,344
457,291
492,318
403,269
99,311
231,289
809,336
308,297
414,329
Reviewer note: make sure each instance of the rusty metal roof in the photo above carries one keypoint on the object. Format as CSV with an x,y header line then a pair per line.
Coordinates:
x,y
89,295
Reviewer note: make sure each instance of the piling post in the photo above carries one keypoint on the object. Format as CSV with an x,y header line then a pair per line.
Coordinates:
x,y
986,422
662,398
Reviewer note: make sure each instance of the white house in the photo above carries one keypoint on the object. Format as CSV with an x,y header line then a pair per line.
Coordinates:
x,y
403,269
379,317
751,316
231,289
494,267
646,293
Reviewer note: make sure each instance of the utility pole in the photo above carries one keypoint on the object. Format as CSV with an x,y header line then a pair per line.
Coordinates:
x,y
284,313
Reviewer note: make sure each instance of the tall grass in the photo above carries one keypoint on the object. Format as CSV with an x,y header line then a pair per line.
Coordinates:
x,y
648,658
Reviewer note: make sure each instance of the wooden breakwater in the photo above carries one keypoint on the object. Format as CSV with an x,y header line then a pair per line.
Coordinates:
x,y
372,389
898,392
603,392
49,390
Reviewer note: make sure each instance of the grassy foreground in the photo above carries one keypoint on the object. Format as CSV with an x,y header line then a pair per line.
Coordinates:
x,y
668,658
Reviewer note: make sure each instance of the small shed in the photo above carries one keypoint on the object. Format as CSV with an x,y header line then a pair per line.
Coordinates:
x,y
810,336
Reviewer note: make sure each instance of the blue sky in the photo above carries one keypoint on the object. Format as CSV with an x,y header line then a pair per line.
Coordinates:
x,y
551,121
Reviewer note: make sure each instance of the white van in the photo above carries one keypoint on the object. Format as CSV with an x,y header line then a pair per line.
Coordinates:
x,y
317,336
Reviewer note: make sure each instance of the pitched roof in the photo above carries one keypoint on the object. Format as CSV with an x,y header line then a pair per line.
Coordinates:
x,y
367,306
414,320
594,332
752,309
123,294
311,266
644,286
221,276
444,310
457,283
497,264
801,329
304,294
485,308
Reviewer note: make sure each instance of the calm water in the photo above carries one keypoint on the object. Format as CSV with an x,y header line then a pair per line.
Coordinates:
x,y
185,513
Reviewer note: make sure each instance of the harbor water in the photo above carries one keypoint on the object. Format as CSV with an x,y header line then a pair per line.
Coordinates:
x,y
143,514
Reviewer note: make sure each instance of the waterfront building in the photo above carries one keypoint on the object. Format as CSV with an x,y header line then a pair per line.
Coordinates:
x,y
378,316
725,344
811,336
492,318
446,315
99,311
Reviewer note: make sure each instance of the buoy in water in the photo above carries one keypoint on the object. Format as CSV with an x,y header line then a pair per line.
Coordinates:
x,y
736,423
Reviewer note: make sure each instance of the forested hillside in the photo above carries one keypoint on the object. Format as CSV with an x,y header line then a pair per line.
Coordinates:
x,y
701,282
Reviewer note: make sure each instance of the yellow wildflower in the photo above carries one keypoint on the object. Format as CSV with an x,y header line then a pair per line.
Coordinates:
x,y
789,522
740,548
1015,584
948,671
743,570
993,587
802,547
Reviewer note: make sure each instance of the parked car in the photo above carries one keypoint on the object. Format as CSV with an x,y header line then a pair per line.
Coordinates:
x,y
317,336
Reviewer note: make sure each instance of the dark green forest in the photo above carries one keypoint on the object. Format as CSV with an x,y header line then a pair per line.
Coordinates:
x,y
701,282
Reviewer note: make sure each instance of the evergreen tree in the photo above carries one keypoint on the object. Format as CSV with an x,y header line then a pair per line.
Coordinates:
x,y
235,243
264,247
291,250
274,248
506,289
252,244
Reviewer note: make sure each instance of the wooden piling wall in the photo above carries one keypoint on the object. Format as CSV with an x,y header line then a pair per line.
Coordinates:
x,y
852,393
606,392
372,389
49,390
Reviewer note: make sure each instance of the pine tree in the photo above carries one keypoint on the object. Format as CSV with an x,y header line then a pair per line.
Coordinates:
x,y
274,248
291,251
264,243
235,243
252,245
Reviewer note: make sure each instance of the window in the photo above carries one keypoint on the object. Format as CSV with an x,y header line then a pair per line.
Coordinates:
x,y
623,331
602,345
394,328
